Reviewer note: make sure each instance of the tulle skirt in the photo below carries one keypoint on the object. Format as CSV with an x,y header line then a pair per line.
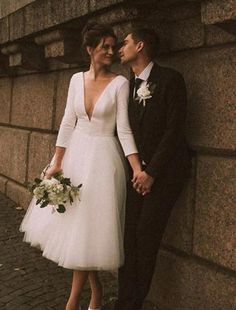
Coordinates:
x,y
89,235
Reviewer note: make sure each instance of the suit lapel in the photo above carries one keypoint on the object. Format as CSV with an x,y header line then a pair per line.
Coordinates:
x,y
152,79
131,88
133,108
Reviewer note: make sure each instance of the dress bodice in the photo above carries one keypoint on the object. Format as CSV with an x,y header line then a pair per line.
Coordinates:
x,y
109,113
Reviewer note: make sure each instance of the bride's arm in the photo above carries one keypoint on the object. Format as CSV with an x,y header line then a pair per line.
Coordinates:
x,y
56,163
66,128
123,128
69,119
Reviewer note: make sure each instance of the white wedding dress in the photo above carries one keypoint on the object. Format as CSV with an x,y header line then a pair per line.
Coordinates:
x,y
89,235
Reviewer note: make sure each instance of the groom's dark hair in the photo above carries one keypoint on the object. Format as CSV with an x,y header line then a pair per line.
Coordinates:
x,y
150,39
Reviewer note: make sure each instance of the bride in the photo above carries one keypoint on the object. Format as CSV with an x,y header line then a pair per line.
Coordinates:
x,y
88,237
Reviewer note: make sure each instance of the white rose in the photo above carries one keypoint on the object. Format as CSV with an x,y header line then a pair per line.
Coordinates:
x,y
143,92
58,188
49,183
55,198
38,192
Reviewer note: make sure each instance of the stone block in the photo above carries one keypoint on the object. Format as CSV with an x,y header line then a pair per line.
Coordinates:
x,y
5,102
41,150
46,14
35,16
218,11
218,35
73,10
210,77
61,95
175,35
185,11
183,283
179,231
4,63
55,49
33,57
4,30
15,60
13,146
54,64
7,7
117,15
54,13
186,34
3,183
16,22
215,216
19,194
66,50
95,5
64,45
32,101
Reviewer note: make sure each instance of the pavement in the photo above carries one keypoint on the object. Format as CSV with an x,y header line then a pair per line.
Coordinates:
x,y
30,281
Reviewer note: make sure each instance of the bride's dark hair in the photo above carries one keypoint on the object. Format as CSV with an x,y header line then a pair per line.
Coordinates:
x,y
94,32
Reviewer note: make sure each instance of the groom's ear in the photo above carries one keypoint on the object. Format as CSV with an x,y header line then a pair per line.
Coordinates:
x,y
140,46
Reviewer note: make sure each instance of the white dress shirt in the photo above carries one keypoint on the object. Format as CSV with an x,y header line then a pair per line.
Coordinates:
x,y
146,72
144,75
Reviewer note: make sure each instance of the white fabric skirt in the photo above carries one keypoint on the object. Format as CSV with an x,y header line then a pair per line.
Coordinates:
x,y
89,235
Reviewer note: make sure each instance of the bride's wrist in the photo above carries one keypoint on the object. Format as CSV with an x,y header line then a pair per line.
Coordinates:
x,y
56,165
137,168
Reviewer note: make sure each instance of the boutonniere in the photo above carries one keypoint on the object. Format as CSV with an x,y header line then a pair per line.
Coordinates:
x,y
145,92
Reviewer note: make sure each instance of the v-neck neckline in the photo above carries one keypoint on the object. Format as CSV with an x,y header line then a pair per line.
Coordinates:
x,y
99,97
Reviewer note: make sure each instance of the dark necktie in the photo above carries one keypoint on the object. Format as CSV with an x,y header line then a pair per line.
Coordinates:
x,y
137,84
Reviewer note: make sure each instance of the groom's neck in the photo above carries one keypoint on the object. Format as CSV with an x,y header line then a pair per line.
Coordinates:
x,y
140,64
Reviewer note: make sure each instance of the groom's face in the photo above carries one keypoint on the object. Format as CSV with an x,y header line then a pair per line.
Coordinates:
x,y
129,50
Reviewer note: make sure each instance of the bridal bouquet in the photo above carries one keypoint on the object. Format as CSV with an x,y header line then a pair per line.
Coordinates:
x,y
55,191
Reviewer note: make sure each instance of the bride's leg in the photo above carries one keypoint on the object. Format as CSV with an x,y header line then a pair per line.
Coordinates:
x,y
78,282
96,287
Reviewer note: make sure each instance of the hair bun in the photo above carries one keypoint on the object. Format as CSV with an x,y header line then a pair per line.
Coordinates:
x,y
93,32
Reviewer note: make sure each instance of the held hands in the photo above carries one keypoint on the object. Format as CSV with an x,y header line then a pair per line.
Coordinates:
x,y
142,182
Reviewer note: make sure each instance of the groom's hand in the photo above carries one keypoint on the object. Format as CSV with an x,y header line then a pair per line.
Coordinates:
x,y
143,183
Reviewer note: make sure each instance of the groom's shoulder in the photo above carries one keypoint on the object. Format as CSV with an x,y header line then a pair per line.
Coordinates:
x,y
168,73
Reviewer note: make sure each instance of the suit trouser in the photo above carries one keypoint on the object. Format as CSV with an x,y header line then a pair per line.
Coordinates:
x,y
146,220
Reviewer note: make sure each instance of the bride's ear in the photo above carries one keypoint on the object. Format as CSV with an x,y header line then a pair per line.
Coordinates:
x,y
89,50
140,46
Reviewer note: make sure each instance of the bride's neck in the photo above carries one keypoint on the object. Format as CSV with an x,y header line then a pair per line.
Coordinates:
x,y
96,71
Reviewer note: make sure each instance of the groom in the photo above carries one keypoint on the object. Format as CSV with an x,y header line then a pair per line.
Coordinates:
x,y
157,110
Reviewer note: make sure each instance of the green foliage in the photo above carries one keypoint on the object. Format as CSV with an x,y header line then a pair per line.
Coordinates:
x,y
61,209
44,204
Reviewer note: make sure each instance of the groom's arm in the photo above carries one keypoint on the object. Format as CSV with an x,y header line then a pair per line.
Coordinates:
x,y
176,100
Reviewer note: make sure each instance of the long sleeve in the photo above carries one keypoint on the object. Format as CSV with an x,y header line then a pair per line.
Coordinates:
x,y
69,119
176,113
122,120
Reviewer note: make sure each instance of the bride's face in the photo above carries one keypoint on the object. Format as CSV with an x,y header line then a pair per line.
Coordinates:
x,y
103,53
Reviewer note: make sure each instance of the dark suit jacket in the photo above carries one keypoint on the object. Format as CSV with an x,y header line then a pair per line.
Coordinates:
x,y
158,128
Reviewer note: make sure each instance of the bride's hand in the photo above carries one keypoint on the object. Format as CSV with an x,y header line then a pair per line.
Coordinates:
x,y
136,173
52,170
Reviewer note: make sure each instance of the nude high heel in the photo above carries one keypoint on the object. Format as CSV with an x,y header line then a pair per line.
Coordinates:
x,y
94,309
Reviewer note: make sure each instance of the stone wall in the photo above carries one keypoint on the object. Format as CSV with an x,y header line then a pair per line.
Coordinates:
x,y
9,6
40,50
